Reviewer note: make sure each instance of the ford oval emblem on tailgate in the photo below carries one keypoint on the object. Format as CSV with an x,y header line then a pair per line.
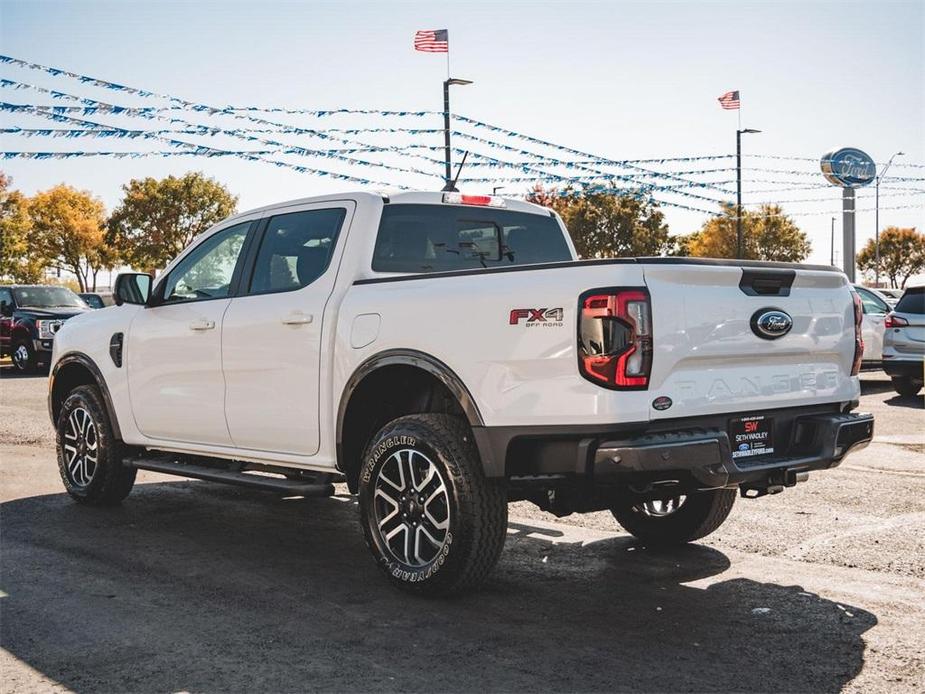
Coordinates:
x,y
771,323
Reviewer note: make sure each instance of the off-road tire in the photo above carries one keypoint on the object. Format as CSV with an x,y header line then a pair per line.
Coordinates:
x,y
906,387
477,506
699,515
111,481
30,364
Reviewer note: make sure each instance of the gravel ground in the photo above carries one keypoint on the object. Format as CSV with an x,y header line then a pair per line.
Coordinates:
x,y
190,586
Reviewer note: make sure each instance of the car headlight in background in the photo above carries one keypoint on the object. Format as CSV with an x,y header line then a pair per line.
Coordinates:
x,y
48,328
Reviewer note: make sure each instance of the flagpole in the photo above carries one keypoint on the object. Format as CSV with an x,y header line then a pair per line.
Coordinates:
x,y
740,131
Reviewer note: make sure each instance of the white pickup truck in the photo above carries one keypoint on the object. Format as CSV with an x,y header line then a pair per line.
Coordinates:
x,y
445,354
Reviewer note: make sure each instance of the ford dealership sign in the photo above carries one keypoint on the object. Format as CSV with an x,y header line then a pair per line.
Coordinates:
x,y
848,167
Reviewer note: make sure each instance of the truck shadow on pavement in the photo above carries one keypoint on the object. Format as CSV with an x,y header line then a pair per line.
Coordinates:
x,y
9,372
914,401
194,587
872,387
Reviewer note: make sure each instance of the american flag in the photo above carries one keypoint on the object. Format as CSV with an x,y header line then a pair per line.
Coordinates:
x,y
730,100
432,41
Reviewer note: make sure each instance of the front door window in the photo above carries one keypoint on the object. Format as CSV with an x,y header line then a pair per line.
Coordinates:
x,y
207,272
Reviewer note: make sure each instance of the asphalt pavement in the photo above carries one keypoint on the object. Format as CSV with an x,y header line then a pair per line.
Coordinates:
x,y
193,586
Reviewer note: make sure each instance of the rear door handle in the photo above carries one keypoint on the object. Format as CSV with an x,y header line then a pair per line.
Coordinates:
x,y
202,325
297,318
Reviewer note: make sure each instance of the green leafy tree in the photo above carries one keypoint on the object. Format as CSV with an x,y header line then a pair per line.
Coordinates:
x,y
607,224
681,245
19,261
68,229
902,255
767,234
159,218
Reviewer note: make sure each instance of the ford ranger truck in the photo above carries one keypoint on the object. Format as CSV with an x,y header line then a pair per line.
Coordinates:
x,y
446,354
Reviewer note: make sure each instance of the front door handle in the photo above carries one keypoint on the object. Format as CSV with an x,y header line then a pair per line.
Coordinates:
x,y
202,325
297,318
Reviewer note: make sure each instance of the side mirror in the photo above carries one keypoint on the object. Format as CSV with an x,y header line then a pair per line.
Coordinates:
x,y
132,288
6,309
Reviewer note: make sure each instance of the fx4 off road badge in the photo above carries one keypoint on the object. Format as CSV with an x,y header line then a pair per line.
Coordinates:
x,y
533,317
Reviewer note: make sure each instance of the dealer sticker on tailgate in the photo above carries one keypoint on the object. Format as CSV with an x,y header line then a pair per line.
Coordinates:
x,y
751,436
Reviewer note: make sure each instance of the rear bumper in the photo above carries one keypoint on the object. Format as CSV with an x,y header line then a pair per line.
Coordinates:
x,y
904,367
817,442
806,438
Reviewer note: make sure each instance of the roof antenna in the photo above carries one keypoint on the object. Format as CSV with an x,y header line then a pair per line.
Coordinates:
x,y
452,186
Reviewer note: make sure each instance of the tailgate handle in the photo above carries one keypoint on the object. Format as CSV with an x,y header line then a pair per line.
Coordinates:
x,y
766,282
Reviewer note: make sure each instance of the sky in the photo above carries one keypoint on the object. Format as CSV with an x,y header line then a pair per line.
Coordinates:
x,y
621,80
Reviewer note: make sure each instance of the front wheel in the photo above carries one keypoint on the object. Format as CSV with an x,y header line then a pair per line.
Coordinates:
x,y
24,358
906,387
434,523
674,520
89,454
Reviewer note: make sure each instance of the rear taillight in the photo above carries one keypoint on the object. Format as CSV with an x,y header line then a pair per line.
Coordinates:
x,y
894,321
615,338
858,340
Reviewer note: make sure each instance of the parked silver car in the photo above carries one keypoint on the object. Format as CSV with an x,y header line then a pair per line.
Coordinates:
x,y
875,308
904,342
891,295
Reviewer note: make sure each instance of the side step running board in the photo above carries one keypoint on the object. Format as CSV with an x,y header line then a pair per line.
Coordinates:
x,y
242,479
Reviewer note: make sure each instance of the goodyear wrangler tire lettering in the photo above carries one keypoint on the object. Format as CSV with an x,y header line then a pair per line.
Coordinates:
x,y
434,523
383,448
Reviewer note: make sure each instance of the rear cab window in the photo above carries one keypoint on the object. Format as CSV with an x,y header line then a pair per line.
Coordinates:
x,y
420,238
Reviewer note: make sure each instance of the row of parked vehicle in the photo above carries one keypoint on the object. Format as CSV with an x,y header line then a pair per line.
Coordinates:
x,y
893,328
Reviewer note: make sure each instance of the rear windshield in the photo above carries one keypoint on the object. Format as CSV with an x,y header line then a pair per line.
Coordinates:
x,y
913,301
439,238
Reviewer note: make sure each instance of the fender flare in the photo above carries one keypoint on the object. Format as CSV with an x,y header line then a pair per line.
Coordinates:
x,y
88,363
420,360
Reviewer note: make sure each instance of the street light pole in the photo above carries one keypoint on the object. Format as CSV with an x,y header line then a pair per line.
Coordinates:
x,y
447,152
740,250
738,194
877,218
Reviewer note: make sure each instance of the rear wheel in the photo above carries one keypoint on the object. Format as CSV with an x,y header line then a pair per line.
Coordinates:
x,y
435,524
89,454
907,387
677,519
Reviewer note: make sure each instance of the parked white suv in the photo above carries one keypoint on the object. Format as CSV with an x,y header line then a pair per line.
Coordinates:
x,y
445,354
904,342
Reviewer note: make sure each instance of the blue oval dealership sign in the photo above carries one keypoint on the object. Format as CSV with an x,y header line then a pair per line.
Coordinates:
x,y
848,167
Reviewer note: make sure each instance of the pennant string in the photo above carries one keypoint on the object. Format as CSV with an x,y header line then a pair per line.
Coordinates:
x,y
574,168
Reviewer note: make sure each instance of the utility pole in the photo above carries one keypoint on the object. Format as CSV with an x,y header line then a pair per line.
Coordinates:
x,y
877,218
740,242
447,152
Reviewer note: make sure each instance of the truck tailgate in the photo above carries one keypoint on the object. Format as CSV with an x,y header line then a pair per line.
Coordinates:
x,y
709,358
